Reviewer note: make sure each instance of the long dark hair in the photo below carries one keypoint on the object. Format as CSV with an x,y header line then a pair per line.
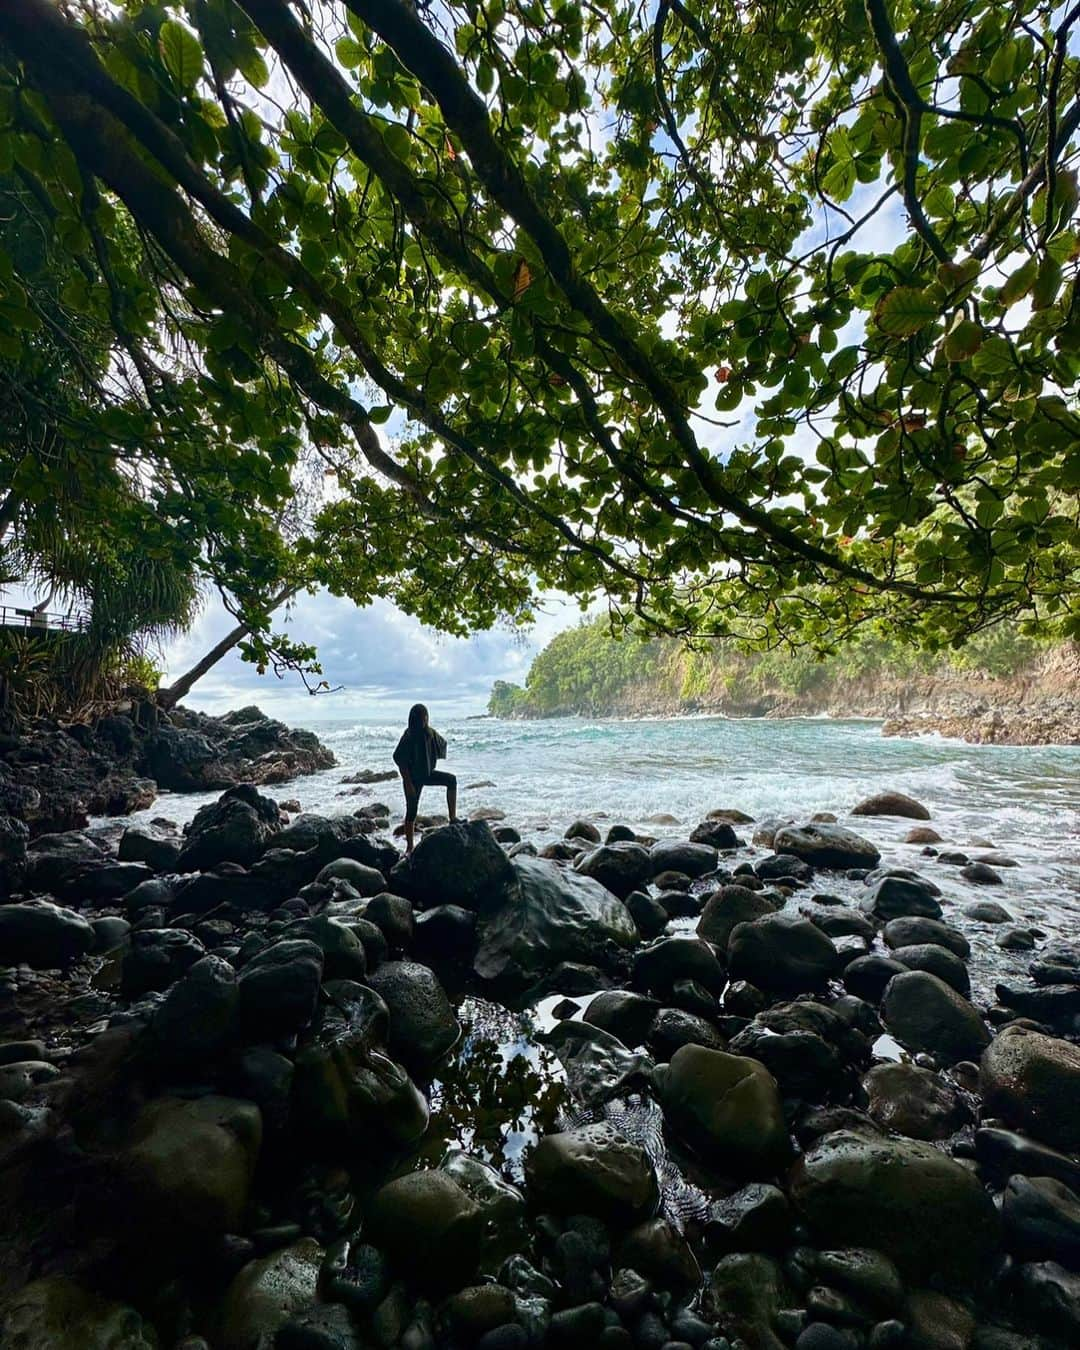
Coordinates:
x,y
418,717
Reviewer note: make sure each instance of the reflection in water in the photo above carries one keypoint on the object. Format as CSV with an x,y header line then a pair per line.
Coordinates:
x,y
499,1091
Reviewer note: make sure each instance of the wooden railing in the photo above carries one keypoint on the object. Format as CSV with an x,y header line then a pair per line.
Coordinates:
x,y
39,621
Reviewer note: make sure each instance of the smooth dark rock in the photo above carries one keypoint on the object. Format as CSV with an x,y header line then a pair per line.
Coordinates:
x,y
911,931
924,1013
649,916
157,957
593,1170
828,846
672,1028
622,867
783,953
727,907
867,976
937,960
912,1101
891,804
279,988
1041,1219
459,864
659,967
429,1226
692,860
423,1025
624,1014
899,897
1032,1082
756,1218
43,935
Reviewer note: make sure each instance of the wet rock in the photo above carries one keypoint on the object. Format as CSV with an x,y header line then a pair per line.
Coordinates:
x,y
354,1273
593,1170
658,968
1059,963
365,880
1043,1003
717,834
197,1018
342,942
320,1327
583,829
110,932
891,804
1016,940
1041,1220
154,845
661,1254
190,1163
868,976
649,916
727,1107
279,988
692,860
781,952
672,1028
910,932
621,867
936,1322
459,864
1001,1153
679,904
236,828
838,921
444,935
20,1079
502,1206
429,1226
550,916
55,860
728,907
900,897
1050,1297
1032,1082
422,1022
922,834
623,1014
42,935
745,1294
828,846
346,1094
476,1310
981,874
56,1313
393,914
785,868
914,1102
988,911
937,960
267,1293
156,958
924,1013
803,1062
854,1189
756,1218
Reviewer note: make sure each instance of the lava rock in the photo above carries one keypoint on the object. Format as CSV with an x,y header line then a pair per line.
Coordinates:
x,y
1032,1082
828,846
782,952
279,988
422,1022
267,1293
1041,1219
622,867
593,1170
924,1013
913,1101
236,828
460,864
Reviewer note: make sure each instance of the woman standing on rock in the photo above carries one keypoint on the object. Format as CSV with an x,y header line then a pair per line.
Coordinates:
x,y
416,755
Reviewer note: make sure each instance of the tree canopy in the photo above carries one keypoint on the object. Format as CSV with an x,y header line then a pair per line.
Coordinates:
x,y
753,318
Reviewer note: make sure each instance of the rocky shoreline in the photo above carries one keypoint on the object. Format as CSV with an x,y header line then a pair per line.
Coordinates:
x,y
55,776
737,1095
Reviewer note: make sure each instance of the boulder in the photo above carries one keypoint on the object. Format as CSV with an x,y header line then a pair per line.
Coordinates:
x,y
1003,1153
649,916
728,1108
895,897
922,834
868,976
1041,1219
1032,1082
460,864
782,953
981,874
829,846
784,867
42,935
52,860
913,1101
672,1029
550,915
987,911
182,761
154,845
856,1189
349,1096
1050,1298
1042,1002
661,966
236,828
190,1163
926,1014
423,1025
157,957
755,1218
716,833
746,1295
197,1018
593,1170
394,917
365,880
621,868
692,860
56,1313
266,1293
429,1226
909,932
624,1014
727,907
939,961
1058,963
583,829
279,988
891,804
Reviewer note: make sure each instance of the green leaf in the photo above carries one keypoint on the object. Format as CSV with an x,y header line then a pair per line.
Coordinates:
x,y
963,340
1020,282
906,310
380,414
1047,284
182,55
994,357
349,52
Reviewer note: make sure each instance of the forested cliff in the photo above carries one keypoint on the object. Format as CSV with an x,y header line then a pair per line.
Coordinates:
x,y
1001,686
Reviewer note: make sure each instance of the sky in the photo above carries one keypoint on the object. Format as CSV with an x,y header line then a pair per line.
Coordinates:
x,y
383,659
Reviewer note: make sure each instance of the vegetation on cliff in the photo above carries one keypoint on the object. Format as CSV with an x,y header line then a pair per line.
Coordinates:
x,y
757,321
588,669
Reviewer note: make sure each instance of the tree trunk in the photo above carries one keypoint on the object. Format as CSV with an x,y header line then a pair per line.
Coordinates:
x,y
170,697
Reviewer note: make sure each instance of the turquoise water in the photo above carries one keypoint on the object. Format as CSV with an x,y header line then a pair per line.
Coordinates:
x,y
544,774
